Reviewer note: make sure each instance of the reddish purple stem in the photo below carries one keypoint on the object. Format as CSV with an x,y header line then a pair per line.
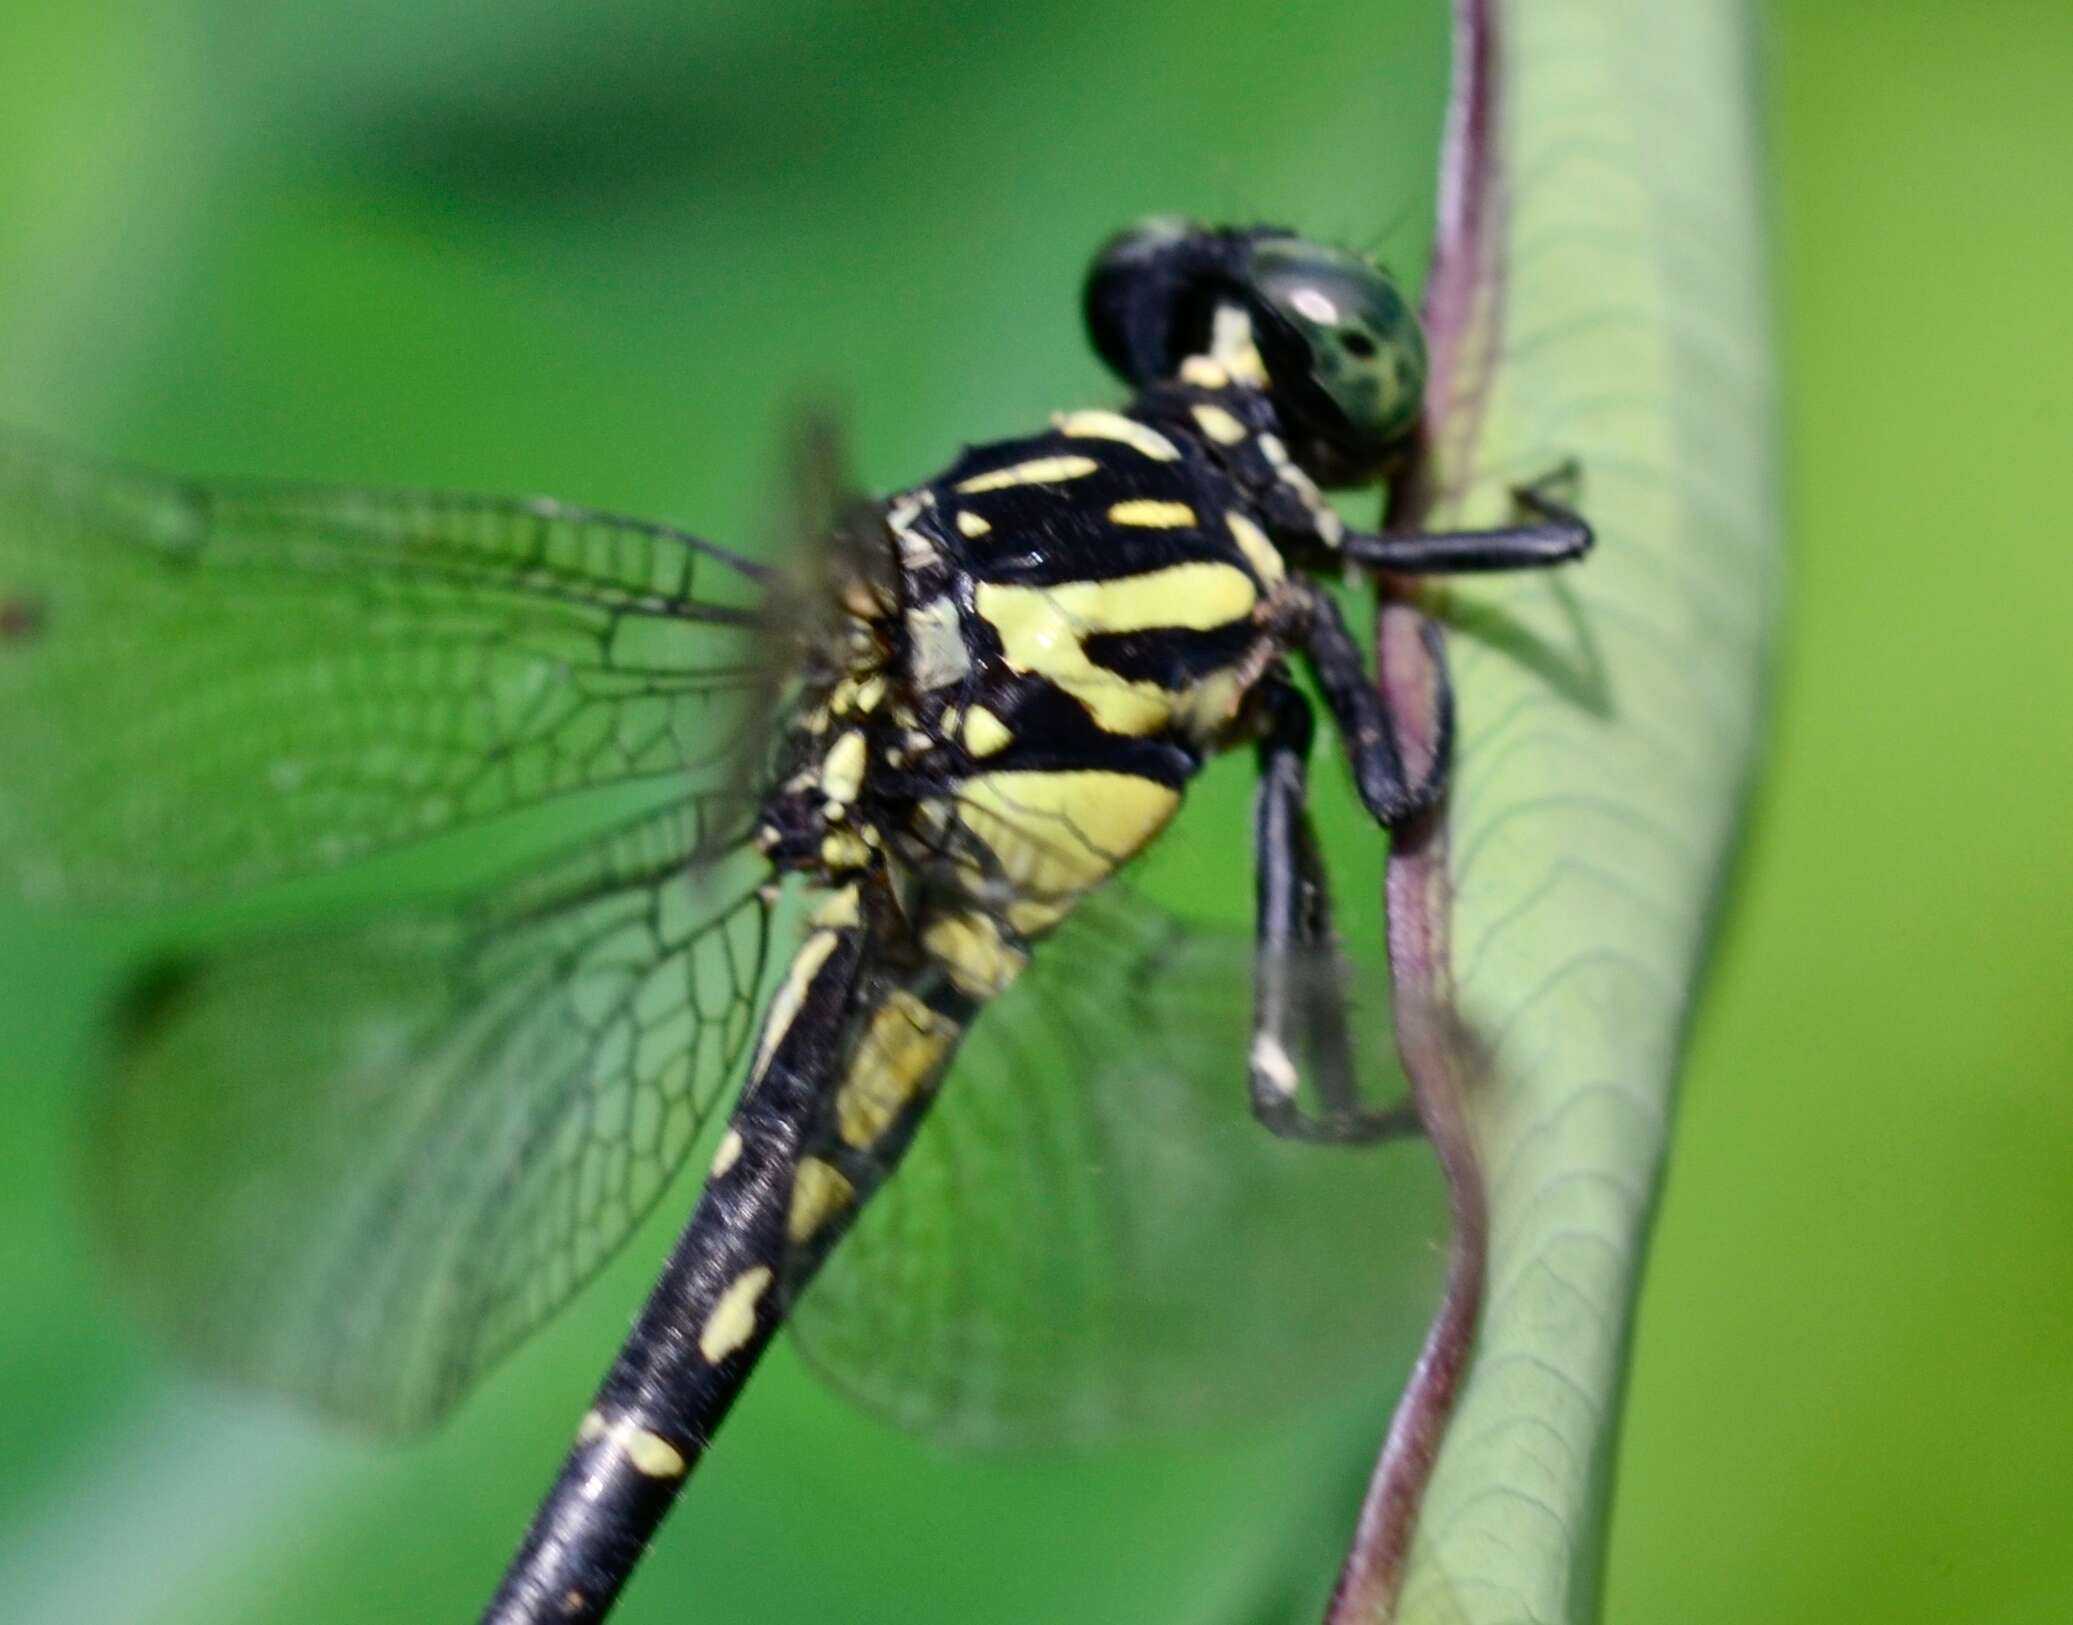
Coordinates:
x,y
1416,894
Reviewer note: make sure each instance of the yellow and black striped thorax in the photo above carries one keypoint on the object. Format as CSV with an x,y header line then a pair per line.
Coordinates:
x,y
1068,624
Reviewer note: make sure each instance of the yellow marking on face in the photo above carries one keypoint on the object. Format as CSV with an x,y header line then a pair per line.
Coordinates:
x,y
784,1006
728,1154
1204,373
901,1051
1231,345
1260,553
1153,515
1057,835
870,694
652,1455
733,1319
970,524
985,733
819,1192
1218,424
1042,631
969,946
936,646
1139,437
1037,471
842,775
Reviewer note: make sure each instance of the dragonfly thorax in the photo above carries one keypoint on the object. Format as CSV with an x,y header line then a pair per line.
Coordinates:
x,y
1058,633
817,819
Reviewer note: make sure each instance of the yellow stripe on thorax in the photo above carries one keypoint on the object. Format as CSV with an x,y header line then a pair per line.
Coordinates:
x,y
1259,552
1151,513
1037,471
1041,631
1140,437
904,1046
1057,835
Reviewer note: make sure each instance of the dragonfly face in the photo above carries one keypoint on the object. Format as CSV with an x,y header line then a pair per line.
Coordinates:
x,y
1342,354
391,1147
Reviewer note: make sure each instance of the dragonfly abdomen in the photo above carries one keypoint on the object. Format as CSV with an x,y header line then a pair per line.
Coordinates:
x,y
846,1066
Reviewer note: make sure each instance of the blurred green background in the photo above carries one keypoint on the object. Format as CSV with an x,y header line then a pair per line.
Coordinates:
x,y
552,248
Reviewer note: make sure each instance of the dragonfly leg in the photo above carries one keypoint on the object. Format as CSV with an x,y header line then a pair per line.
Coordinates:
x,y
1295,935
1369,732
1555,533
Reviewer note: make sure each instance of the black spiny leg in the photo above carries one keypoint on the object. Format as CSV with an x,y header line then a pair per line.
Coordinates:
x,y
1296,974
1557,535
1362,715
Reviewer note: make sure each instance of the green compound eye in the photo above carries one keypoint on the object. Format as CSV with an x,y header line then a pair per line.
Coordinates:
x,y
1341,343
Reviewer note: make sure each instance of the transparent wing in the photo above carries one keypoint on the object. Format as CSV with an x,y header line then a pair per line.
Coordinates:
x,y
1092,1237
211,685
354,1166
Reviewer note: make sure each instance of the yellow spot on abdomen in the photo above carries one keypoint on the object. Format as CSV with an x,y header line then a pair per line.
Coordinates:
x,y
841,908
969,947
652,1455
784,1007
1037,471
898,1056
728,1154
733,1319
843,850
843,773
1139,437
819,1191
1151,514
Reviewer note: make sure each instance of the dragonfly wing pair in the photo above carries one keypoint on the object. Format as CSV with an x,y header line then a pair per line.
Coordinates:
x,y
1092,1237
354,1165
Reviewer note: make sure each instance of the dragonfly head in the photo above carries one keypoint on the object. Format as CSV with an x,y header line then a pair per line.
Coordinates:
x,y
1333,340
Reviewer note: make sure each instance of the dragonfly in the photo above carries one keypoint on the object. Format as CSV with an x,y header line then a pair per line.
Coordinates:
x,y
893,785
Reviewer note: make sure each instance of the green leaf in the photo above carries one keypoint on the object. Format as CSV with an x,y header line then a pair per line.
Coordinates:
x,y
1598,297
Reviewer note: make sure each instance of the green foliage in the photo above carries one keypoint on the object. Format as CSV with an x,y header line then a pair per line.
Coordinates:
x,y
522,248
1608,718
